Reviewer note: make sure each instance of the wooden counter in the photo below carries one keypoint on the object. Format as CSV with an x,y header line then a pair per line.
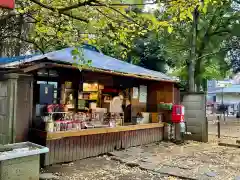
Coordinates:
x,y
74,145
84,132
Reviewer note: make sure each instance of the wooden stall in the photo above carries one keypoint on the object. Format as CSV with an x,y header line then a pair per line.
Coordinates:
x,y
70,145
75,145
77,114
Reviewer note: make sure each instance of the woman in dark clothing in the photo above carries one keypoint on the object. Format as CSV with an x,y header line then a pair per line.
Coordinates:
x,y
127,109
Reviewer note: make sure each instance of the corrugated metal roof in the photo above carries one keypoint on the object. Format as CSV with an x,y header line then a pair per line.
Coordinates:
x,y
99,61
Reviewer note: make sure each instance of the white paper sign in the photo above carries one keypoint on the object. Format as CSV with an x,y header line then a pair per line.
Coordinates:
x,y
135,93
143,94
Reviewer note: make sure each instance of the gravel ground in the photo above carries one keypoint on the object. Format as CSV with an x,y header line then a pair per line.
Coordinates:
x,y
102,168
230,127
192,160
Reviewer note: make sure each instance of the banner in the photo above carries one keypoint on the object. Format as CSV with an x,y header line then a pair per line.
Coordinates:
x,y
143,94
7,4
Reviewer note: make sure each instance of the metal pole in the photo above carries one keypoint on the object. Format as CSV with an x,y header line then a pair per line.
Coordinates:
x,y
218,125
222,95
224,118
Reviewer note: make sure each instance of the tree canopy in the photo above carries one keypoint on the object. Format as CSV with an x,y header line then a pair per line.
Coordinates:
x,y
216,27
69,22
126,30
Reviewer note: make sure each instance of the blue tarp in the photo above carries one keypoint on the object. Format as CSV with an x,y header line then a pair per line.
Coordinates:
x,y
5,60
232,89
99,61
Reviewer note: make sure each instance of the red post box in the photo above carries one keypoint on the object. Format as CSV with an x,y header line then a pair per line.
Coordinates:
x,y
177,113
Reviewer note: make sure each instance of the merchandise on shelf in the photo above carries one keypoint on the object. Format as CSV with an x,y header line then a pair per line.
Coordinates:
x,y
59,120
165,106
72,122
90,87
93,96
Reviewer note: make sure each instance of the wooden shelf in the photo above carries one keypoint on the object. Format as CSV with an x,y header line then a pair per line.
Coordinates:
x,y
58,112
83,109
84,132
68,90
89,91
88,99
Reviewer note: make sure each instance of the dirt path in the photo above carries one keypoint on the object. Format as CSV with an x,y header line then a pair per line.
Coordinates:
x,y
191,161
101,168
230,127
158,161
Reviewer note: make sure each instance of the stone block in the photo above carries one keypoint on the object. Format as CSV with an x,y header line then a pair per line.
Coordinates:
x,y
194,129
20,168
3,89
195,116
193,98
3,105
194,105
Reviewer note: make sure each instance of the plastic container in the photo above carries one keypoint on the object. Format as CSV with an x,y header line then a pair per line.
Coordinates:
x,y
49,126
57,125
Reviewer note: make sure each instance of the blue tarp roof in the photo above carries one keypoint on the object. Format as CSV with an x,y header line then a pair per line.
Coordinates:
x,y
5,60
99,61
233,89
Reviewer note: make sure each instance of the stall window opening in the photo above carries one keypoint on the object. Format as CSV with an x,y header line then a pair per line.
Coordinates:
x,y
55,89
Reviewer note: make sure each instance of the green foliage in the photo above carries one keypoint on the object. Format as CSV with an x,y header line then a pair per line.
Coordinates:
x,y
217,24
124,30
79,59
71,22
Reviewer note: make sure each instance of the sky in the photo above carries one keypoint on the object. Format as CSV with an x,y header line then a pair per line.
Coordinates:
x,y
150,7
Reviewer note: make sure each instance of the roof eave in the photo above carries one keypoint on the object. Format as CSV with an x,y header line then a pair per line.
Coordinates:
x,y
50,65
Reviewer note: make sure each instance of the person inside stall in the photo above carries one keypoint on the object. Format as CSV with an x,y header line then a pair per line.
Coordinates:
x,y
126,106
127,110
121,104
117,103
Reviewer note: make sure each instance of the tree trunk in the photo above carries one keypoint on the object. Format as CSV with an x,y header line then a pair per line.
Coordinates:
x,y
204,85
18,41
191,82
191,64
198,86
198,74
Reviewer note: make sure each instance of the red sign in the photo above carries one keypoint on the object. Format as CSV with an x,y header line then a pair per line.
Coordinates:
x,y
7,4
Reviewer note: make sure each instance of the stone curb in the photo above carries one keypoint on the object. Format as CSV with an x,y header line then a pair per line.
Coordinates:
x,y
215,134
134,164
229,145
48,176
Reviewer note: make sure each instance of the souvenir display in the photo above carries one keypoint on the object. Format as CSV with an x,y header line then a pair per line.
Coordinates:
x,y
58,120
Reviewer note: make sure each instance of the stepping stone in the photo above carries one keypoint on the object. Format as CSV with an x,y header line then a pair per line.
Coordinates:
x,y
211,174
177,172
47,176
132,164
237,178
229,145
149,166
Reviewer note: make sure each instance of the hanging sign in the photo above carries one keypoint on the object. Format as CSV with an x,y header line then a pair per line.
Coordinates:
x,y
143,94
135,92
